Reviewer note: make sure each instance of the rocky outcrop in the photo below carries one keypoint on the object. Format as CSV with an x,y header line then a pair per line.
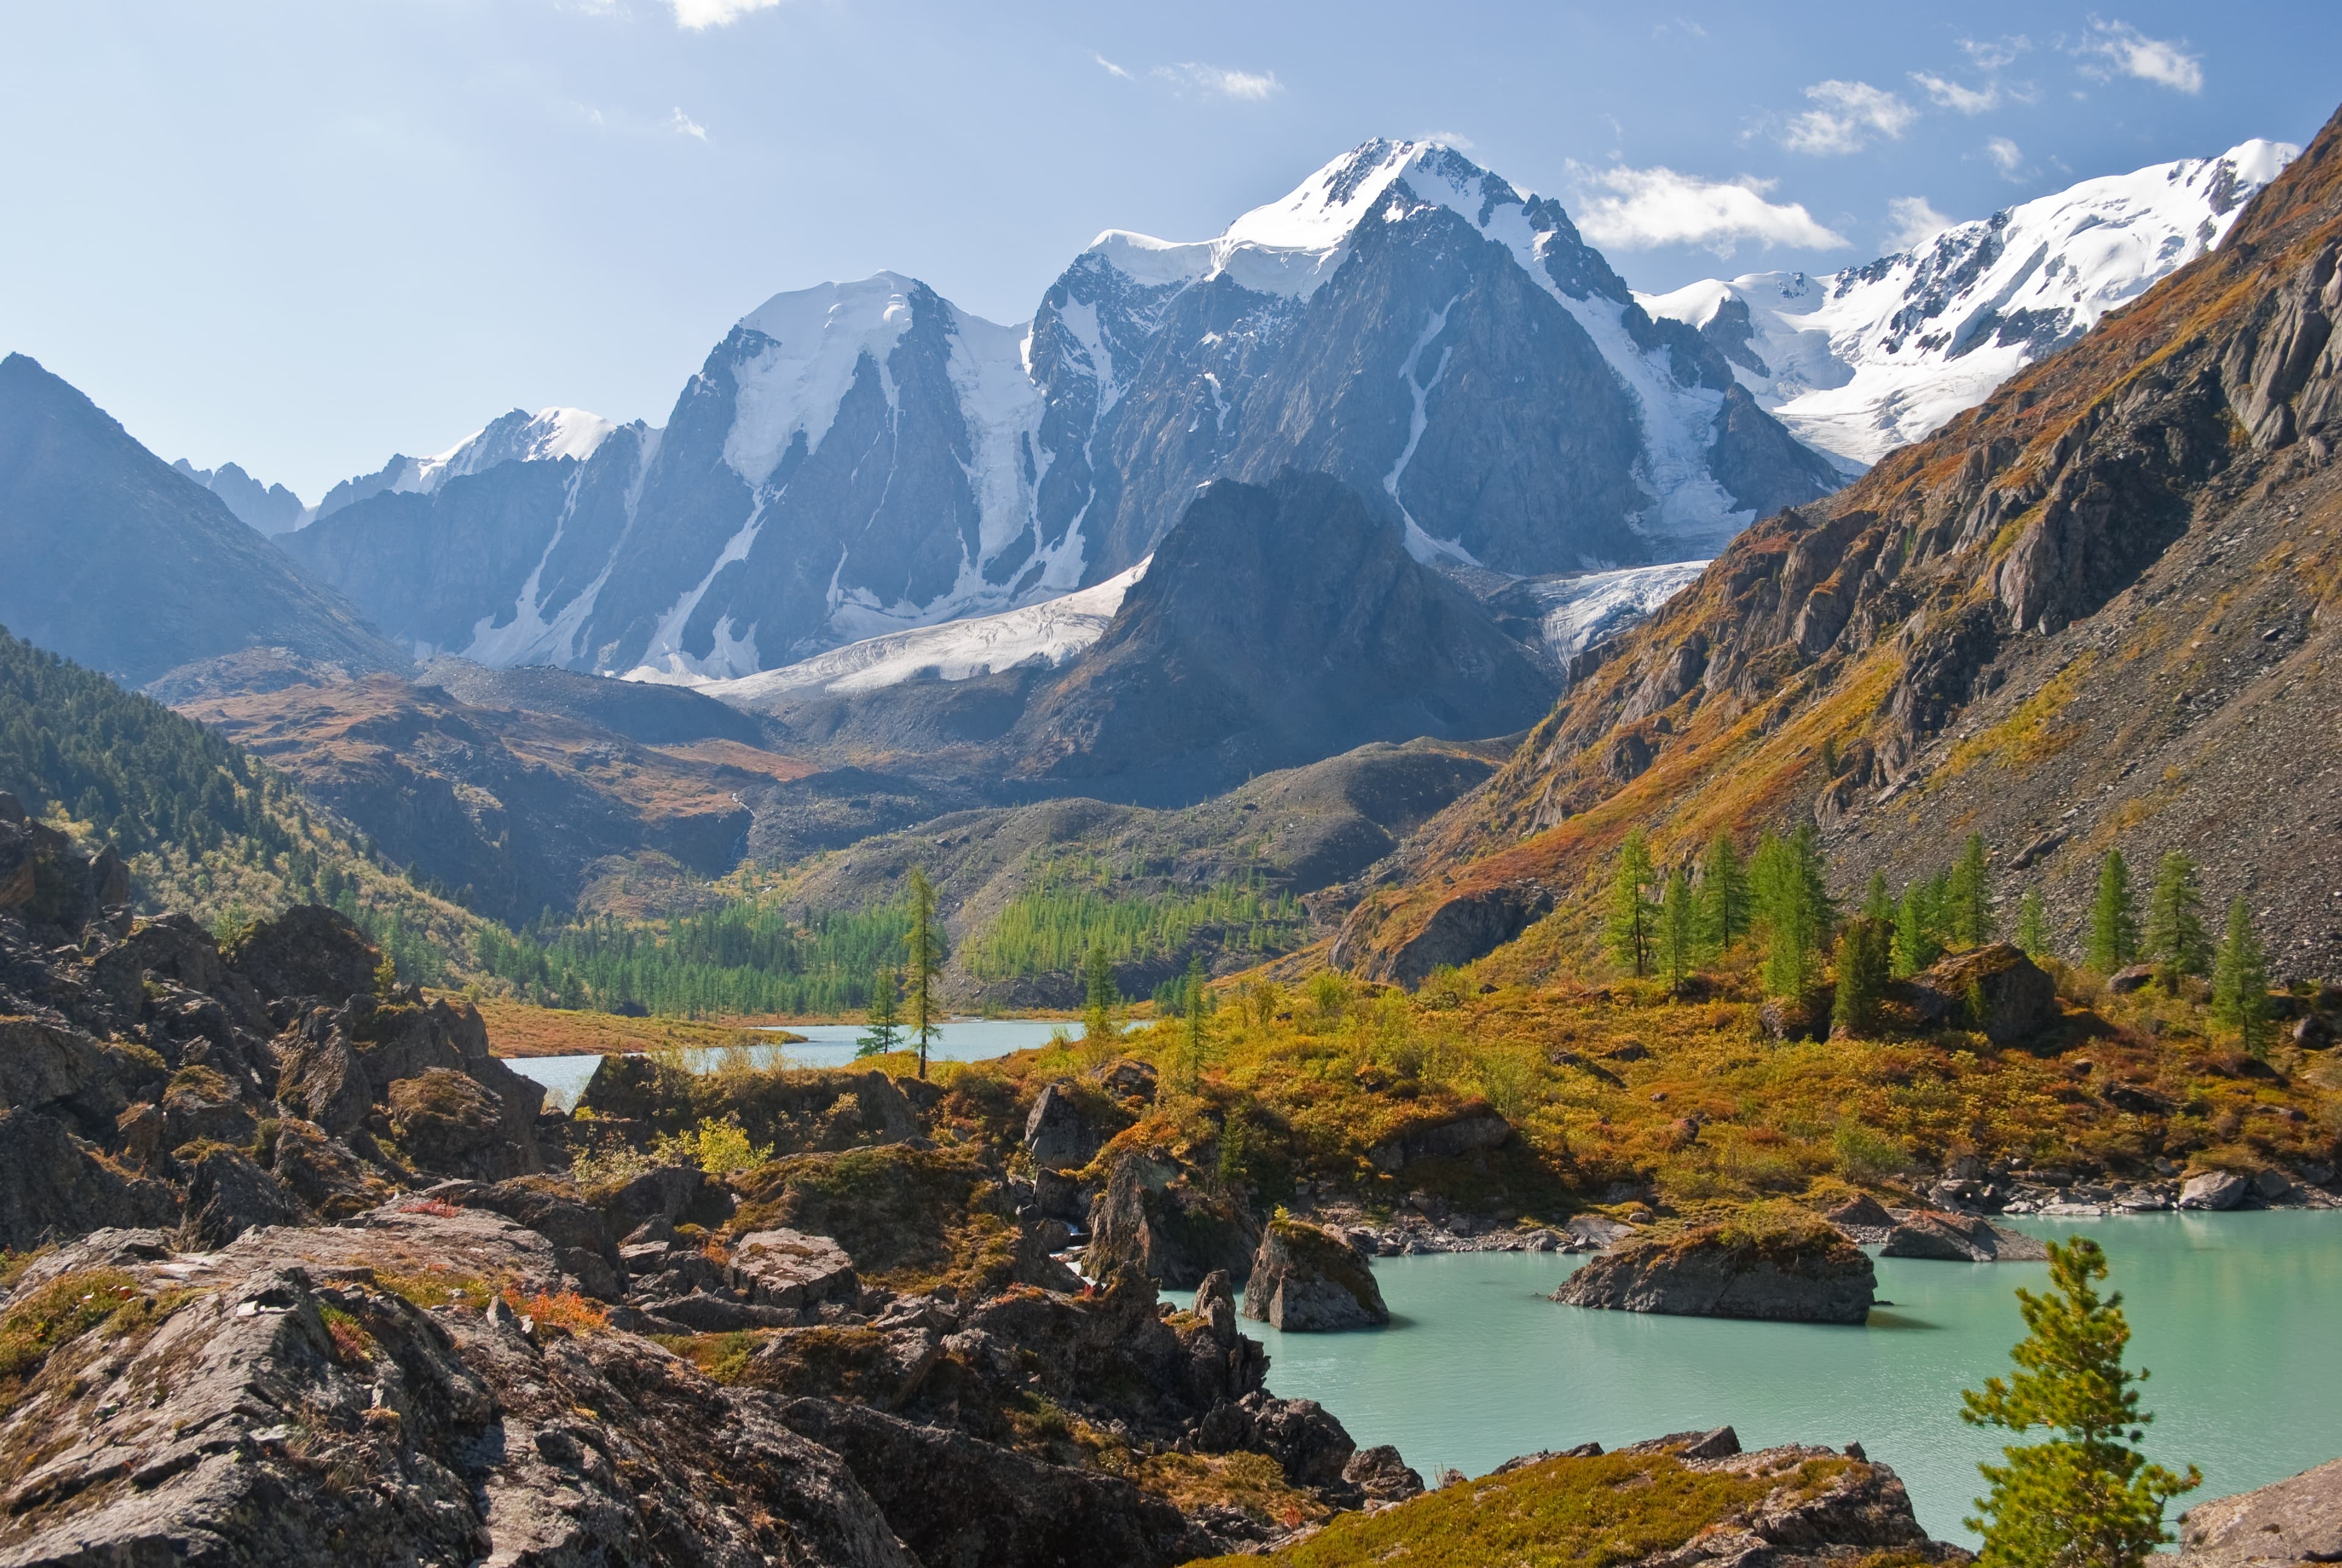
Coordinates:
x,y
1474,1129
2289,1524
1778,1269
1308,1279
1994,990
2216,1189
790,1269
1060,1131
1959,1238
1153,1217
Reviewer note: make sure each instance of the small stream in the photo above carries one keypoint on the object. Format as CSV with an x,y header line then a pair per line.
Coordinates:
x,y
2235,1314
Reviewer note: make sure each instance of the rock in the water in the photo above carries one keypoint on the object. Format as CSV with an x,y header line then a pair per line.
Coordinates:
x,y
1382,1474
1470,1131
1216,1303
2290,1524
1959,1238
1785,1266
2216,1189
790,1269
1305,1280
1994,990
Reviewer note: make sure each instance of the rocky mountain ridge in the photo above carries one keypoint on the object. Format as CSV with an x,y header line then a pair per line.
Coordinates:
x,y
2081,615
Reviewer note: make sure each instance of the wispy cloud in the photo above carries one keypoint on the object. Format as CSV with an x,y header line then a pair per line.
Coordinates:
x,y
1996,54
1683,24
1455,139
696,14
1912,220
683,125
1636,209
2006,156
1951,95
2110,49
1848,115
1222,81
1111,68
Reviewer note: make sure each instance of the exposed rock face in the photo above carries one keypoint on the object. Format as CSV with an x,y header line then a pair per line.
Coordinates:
x,y
1993,989
1060,1133
1959,1238
2217,1190
1475,1129
1809,1275
1382,1474
2288,1524
1308,1279
1151,1218
1992,584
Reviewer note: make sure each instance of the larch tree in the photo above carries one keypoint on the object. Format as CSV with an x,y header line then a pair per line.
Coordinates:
x,y
2084,1496
1632,920
2176,941
2240,996
1722,913
1970,912
1678,943
882,1023
1100,998
2114,921
2032,926
923,953
1862,969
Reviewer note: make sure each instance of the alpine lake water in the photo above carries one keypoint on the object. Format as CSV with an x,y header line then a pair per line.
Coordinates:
x,y
2236,1316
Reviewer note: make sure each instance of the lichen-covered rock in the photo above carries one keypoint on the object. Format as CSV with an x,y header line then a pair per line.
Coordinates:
x,y
308,952
1994,990
1060,1131
1307,1280
2290,1524
790,1269
227,1195
1783,1264
1959,1238
1382,1474
1151,1218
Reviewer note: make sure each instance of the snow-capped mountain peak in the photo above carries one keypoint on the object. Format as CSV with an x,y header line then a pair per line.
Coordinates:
x,y
546,435
1866,360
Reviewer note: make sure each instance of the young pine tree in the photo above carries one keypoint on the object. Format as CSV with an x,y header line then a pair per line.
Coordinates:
x,y
1970,914
2032,926
2084,1497
1678,945
1721,915
2113,924
883,1022
1631,926
1100,998
2176,943
923,950
1862,965
2240,983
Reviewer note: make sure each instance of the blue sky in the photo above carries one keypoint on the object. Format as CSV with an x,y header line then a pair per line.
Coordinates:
x,y
302,236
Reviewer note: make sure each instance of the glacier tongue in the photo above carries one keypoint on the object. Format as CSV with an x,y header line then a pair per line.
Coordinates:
x,y
1863,361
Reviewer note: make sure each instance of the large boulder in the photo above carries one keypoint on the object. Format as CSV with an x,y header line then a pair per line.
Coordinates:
x,y
1782,1266
2288,1525
1959,1238
1994,990
1306,1279
308,951
1309,1444
1151,1218
1060,1131
2217,1190
786,1268
227,1195
1475,1128
449,1122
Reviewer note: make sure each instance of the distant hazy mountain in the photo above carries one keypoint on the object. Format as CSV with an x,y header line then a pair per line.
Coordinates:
x,y
1871,358
271,508
865,458
120,563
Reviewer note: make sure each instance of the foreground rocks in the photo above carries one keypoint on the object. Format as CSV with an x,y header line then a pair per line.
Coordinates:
x,y
1784,1267
1308,1279
2295,1522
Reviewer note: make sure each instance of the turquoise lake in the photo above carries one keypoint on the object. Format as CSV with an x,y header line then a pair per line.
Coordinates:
x,y
2235,1314
825,1045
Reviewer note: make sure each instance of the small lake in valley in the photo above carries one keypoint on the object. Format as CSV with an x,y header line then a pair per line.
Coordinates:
x,y
2236,1315
824,1045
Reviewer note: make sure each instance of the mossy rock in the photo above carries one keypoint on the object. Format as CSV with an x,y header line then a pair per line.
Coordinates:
x,y
1305,1280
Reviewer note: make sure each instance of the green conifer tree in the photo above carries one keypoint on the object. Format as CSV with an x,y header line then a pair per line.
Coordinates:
x,y
1100,997
2032,926
1970,914
2085,1497
1861,964
1723,909
1793,910
1632,920
1678,941
924,951
2114,923
1877,903
1191,1064
882,1023
2240,983
1917,942
2176,941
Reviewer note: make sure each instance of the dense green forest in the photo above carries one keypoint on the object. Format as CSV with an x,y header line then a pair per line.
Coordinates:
x,y
1053,925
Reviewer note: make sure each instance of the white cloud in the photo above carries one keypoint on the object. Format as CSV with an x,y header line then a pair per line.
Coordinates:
x,y
1913,220
1111,68
1253,85
1635,209
1455,139
696,14
1952,95
683,125
2005,156
1849,113
2120,49
1995,54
